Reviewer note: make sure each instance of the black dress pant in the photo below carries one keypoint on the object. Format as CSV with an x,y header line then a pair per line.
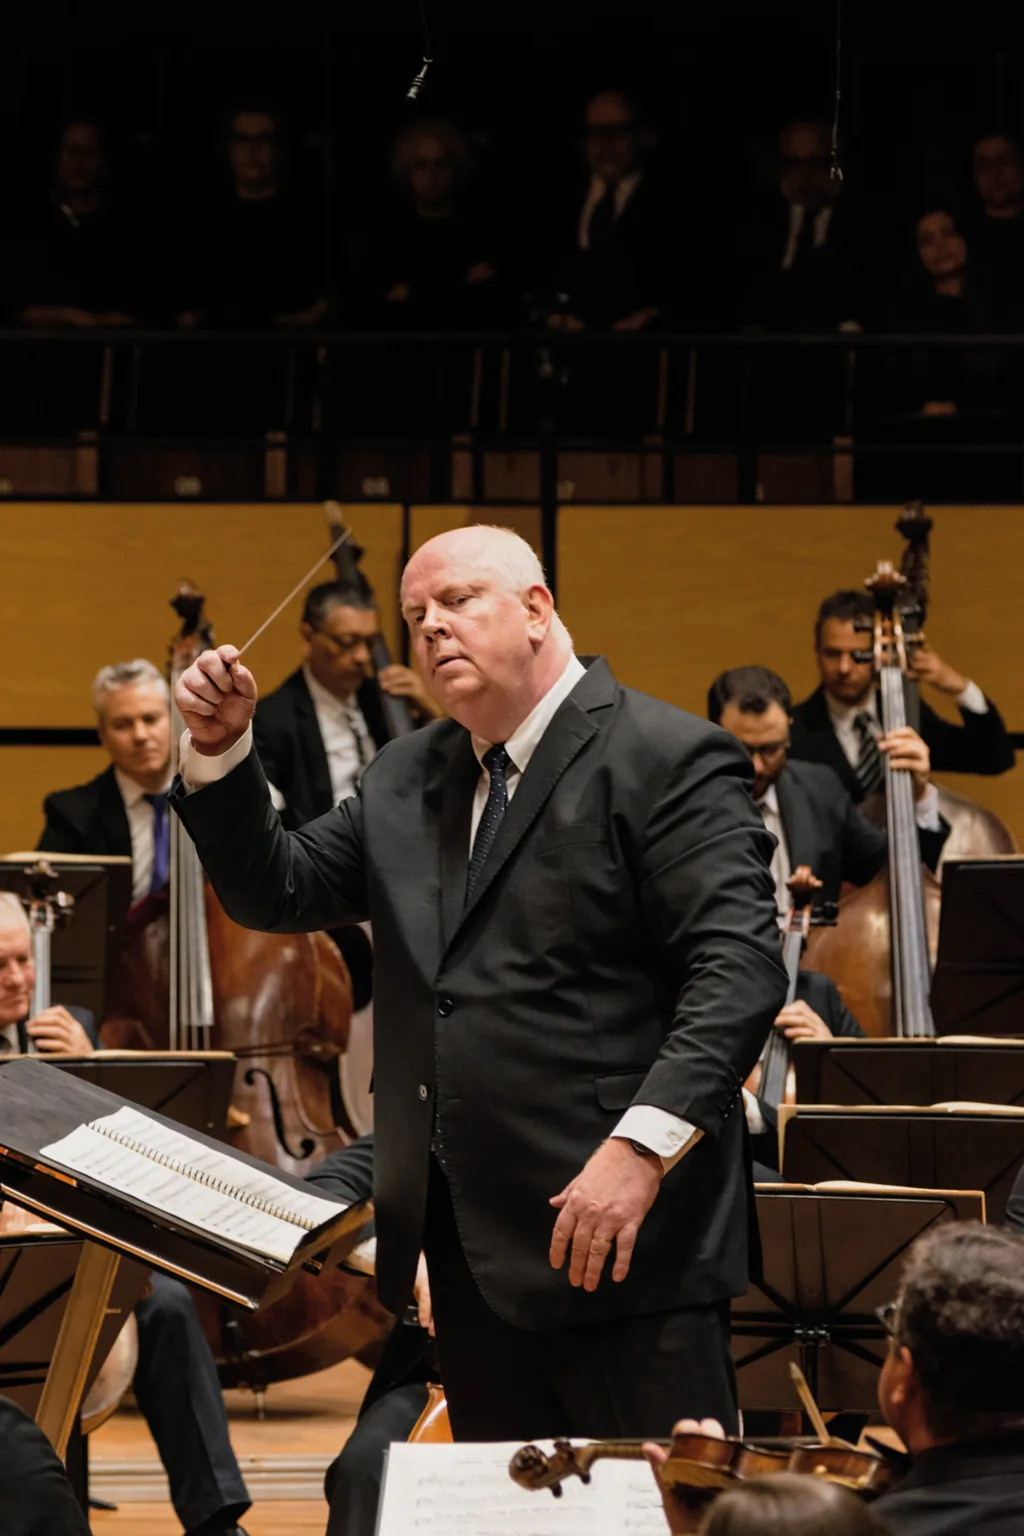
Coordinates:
x,y
632,1377
36,1498
179,1395
353,1481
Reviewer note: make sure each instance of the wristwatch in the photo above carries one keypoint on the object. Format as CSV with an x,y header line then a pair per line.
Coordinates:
x,y
641,1150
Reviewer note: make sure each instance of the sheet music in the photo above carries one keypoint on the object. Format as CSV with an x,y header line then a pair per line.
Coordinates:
x,y
297,1204
466,1490
87,1150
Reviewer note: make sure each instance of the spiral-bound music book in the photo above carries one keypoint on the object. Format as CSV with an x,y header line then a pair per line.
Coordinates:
x,y
138,1182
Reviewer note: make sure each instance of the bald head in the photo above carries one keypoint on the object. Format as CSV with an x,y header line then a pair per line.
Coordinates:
x,y
484,627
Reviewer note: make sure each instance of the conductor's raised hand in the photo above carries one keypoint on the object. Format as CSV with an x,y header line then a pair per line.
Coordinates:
x,y
602,1208
217,700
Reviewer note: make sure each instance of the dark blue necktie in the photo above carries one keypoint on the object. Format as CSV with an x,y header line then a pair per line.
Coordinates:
x,y
495,760
161,842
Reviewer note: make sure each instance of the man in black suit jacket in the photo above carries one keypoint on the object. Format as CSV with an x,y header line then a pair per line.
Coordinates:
x,y
811,815
825,726
564,1015
122,811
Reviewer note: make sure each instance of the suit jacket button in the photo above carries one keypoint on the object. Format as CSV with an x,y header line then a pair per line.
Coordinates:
x,y
424,1092
444,1006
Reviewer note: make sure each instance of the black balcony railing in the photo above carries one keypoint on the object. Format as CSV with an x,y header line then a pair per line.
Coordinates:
x,y
518,416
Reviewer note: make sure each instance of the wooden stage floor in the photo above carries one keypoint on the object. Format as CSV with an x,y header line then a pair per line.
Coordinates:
x,y
306,1423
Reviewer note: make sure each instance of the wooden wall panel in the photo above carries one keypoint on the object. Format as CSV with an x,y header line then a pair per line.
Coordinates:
x,y
673,595
426,522
85,585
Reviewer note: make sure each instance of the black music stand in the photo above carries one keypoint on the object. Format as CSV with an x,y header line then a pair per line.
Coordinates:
x,y
83,950
963,1146
893,1071
978,987
40,1104
191,1087
829,1257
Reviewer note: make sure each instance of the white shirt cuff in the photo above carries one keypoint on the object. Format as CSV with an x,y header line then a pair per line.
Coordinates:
x,y
665,1134
973,700
755,1119
197,770
926,810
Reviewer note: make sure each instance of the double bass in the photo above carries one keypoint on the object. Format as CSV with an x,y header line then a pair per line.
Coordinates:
x,y
880,952
191,979
774,1084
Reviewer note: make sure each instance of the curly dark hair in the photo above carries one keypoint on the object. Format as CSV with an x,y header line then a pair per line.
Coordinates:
x,y
960,1312
751,689
847,604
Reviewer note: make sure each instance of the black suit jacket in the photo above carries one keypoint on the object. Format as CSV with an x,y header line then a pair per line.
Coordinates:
x,y
620,947
626,272
957,1490
291,748
980,745
36,1498
90,818
825,829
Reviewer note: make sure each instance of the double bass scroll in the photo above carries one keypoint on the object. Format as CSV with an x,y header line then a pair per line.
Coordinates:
x,y
777,1059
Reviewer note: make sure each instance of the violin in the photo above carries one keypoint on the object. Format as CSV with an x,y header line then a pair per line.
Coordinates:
x,y
703,1465
777,1057
399,719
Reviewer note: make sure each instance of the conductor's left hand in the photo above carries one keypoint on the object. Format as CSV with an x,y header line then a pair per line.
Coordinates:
x,y
604,1206
217,700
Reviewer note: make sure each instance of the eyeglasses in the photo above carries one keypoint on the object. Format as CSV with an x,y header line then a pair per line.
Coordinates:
x,y
341,645
770,752
887,1316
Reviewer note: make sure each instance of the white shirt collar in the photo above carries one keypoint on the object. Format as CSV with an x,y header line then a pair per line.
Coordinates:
x,y
846,714
323,698
525,739
769,801
132,791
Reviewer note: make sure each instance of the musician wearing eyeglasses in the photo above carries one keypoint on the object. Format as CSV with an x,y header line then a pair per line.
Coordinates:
x,y
318,732
811,815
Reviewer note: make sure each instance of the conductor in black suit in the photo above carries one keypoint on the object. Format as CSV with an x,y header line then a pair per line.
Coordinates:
x,y
805,806
839,723
577,966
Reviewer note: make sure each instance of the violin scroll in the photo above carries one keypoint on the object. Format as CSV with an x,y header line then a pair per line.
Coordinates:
x,y
531,1468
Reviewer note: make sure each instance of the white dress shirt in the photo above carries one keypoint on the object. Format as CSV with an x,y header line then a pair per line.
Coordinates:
x,y
623,192
665,1134
346,737
798,214
140,824
768,805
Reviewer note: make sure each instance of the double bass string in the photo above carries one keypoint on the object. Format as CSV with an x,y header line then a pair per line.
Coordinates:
x,y
283,604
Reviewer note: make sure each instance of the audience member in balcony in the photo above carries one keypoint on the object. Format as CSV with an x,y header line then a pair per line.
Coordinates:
x,y
435,267
80,258
256,256
610,264
804,263
995,231
945,294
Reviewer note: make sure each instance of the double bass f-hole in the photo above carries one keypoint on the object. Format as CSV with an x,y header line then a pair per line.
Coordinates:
x,y
776,1062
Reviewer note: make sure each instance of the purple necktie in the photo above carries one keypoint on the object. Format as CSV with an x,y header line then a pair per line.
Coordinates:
x,y
161,842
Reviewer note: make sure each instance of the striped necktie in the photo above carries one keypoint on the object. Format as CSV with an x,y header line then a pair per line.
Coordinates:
x,y
495,760
869,761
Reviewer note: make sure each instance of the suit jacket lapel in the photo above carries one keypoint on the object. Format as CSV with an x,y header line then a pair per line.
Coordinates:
x,y
311,743
113,818
455,774
563,740
796,824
